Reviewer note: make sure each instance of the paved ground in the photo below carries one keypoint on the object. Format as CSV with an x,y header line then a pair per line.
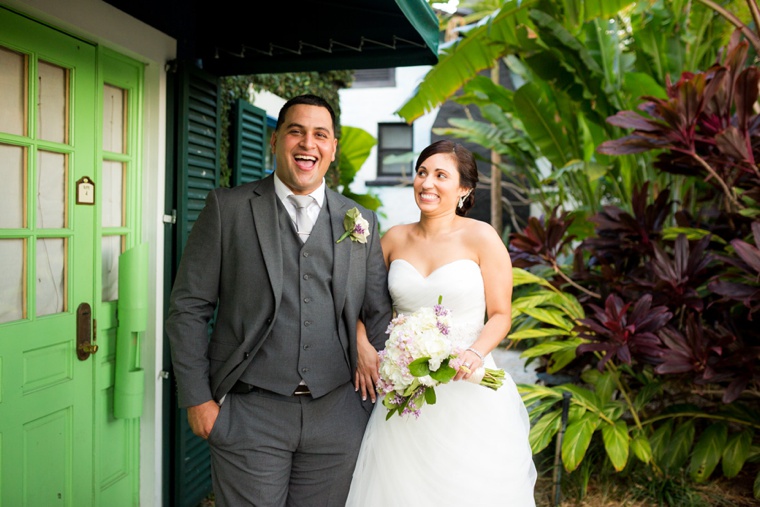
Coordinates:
x,y
510,361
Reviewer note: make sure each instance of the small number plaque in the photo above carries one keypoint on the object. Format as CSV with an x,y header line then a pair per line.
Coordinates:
x,y
85,191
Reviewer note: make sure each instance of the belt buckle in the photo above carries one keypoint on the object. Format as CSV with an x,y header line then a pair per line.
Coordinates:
x,y
301,390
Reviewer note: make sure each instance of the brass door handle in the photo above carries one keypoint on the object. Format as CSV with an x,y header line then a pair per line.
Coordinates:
x,y
85,335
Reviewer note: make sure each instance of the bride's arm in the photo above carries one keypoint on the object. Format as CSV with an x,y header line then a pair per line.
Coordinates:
x,y
368,364
496,269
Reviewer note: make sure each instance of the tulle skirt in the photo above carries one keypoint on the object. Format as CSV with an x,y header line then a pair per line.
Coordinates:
x,y
468,449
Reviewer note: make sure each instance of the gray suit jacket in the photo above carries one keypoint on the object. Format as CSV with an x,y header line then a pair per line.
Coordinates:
x,y
232,264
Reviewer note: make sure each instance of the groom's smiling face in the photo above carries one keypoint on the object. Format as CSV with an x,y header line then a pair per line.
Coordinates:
x,y
304,147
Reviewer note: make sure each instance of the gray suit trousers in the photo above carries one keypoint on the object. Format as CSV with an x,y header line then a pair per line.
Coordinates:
x,y
269,450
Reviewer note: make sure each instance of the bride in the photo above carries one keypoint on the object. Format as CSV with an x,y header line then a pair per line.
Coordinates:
x,y
471,447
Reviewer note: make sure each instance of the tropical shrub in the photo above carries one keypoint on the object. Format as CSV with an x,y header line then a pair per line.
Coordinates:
x,y
663,360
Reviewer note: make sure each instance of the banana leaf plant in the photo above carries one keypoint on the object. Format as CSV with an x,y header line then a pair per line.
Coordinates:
x,y
574,63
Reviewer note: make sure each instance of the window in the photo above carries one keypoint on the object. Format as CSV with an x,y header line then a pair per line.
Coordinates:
x,y
374,78
394,139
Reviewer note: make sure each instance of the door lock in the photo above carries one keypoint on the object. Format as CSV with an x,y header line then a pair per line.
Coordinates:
x,y
85,335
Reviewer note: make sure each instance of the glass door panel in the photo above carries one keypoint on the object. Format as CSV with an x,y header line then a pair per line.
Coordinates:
x,y
12,92
52,100
12,293
13,189
51,276
51,190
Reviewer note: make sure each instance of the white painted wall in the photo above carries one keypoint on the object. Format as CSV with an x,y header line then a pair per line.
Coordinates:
x,y
99,22
365,108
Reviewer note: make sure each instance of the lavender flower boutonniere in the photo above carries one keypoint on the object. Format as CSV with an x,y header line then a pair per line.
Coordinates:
x,y
357,228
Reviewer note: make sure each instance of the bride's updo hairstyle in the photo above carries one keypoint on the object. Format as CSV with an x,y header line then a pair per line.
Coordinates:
x,y
466,165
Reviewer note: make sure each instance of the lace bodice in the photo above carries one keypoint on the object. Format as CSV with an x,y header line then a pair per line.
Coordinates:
x,y
460,283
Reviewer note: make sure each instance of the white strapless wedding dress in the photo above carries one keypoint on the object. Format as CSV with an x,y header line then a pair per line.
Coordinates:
x,y
468,449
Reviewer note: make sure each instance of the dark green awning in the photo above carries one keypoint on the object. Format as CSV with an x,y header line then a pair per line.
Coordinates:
x,y
229,37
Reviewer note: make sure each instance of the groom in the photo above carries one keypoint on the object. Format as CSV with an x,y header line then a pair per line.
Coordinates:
x,y
271,389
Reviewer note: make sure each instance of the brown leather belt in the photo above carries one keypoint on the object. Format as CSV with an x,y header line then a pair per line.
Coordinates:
x,y
243,388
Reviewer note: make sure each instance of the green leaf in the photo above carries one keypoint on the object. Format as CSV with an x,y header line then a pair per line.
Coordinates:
x,y
640,84
551,317
355,147
457,64
641,448
679,447
707,451
550,347
615,437
543,430
659,441
533,392
443,374
538,115
420,367
671,233
646,394
533,300
583,396
523,277
577,439
606,385
603,8
614,410
756,487
736,452
544,332
430,397
560,359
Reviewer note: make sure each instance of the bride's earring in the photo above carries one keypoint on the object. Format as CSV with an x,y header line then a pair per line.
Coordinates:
x,y
462,198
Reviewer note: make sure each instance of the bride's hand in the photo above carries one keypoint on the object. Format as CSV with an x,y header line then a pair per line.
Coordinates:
x,y
471,361
368,365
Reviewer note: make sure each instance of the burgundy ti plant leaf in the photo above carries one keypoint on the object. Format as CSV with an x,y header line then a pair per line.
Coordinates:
x,y
541,241
615,331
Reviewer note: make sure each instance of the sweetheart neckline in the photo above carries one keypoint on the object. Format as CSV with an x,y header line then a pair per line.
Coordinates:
x,y
436,269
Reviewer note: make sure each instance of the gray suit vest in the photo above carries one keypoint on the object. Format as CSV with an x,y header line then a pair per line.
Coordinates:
x,y
304,343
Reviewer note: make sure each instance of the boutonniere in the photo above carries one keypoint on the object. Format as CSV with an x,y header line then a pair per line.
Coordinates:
x,y
357,228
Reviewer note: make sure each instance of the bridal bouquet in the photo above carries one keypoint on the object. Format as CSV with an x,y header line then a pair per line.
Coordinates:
x,y
419,356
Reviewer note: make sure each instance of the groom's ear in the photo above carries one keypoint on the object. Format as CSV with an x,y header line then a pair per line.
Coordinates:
x,y
335,150
273,141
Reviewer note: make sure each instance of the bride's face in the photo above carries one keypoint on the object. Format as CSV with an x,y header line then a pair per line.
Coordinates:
x,y
436,184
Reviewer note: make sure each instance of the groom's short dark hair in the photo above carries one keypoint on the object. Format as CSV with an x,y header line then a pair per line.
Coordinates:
x,y
309,100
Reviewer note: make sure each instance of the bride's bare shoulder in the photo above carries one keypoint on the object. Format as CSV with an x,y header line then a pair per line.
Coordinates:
x,y
397,231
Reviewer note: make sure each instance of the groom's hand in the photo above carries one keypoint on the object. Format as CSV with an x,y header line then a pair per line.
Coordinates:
x,y
202,418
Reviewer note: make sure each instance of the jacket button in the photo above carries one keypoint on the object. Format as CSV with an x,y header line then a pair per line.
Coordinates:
x,y
245,356
269,320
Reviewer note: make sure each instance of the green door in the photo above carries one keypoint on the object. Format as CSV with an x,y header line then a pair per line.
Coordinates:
x,y
65,215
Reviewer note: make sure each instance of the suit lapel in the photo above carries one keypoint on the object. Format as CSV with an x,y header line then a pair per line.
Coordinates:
x,y
265,216
341,251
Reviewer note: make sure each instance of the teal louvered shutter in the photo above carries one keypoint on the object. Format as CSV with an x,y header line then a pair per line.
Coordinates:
x,y
248,143
193,170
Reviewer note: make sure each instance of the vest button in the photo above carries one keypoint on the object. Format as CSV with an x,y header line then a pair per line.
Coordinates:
x,y
305,347
306,277
307,300
306,254
304,370
307,323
